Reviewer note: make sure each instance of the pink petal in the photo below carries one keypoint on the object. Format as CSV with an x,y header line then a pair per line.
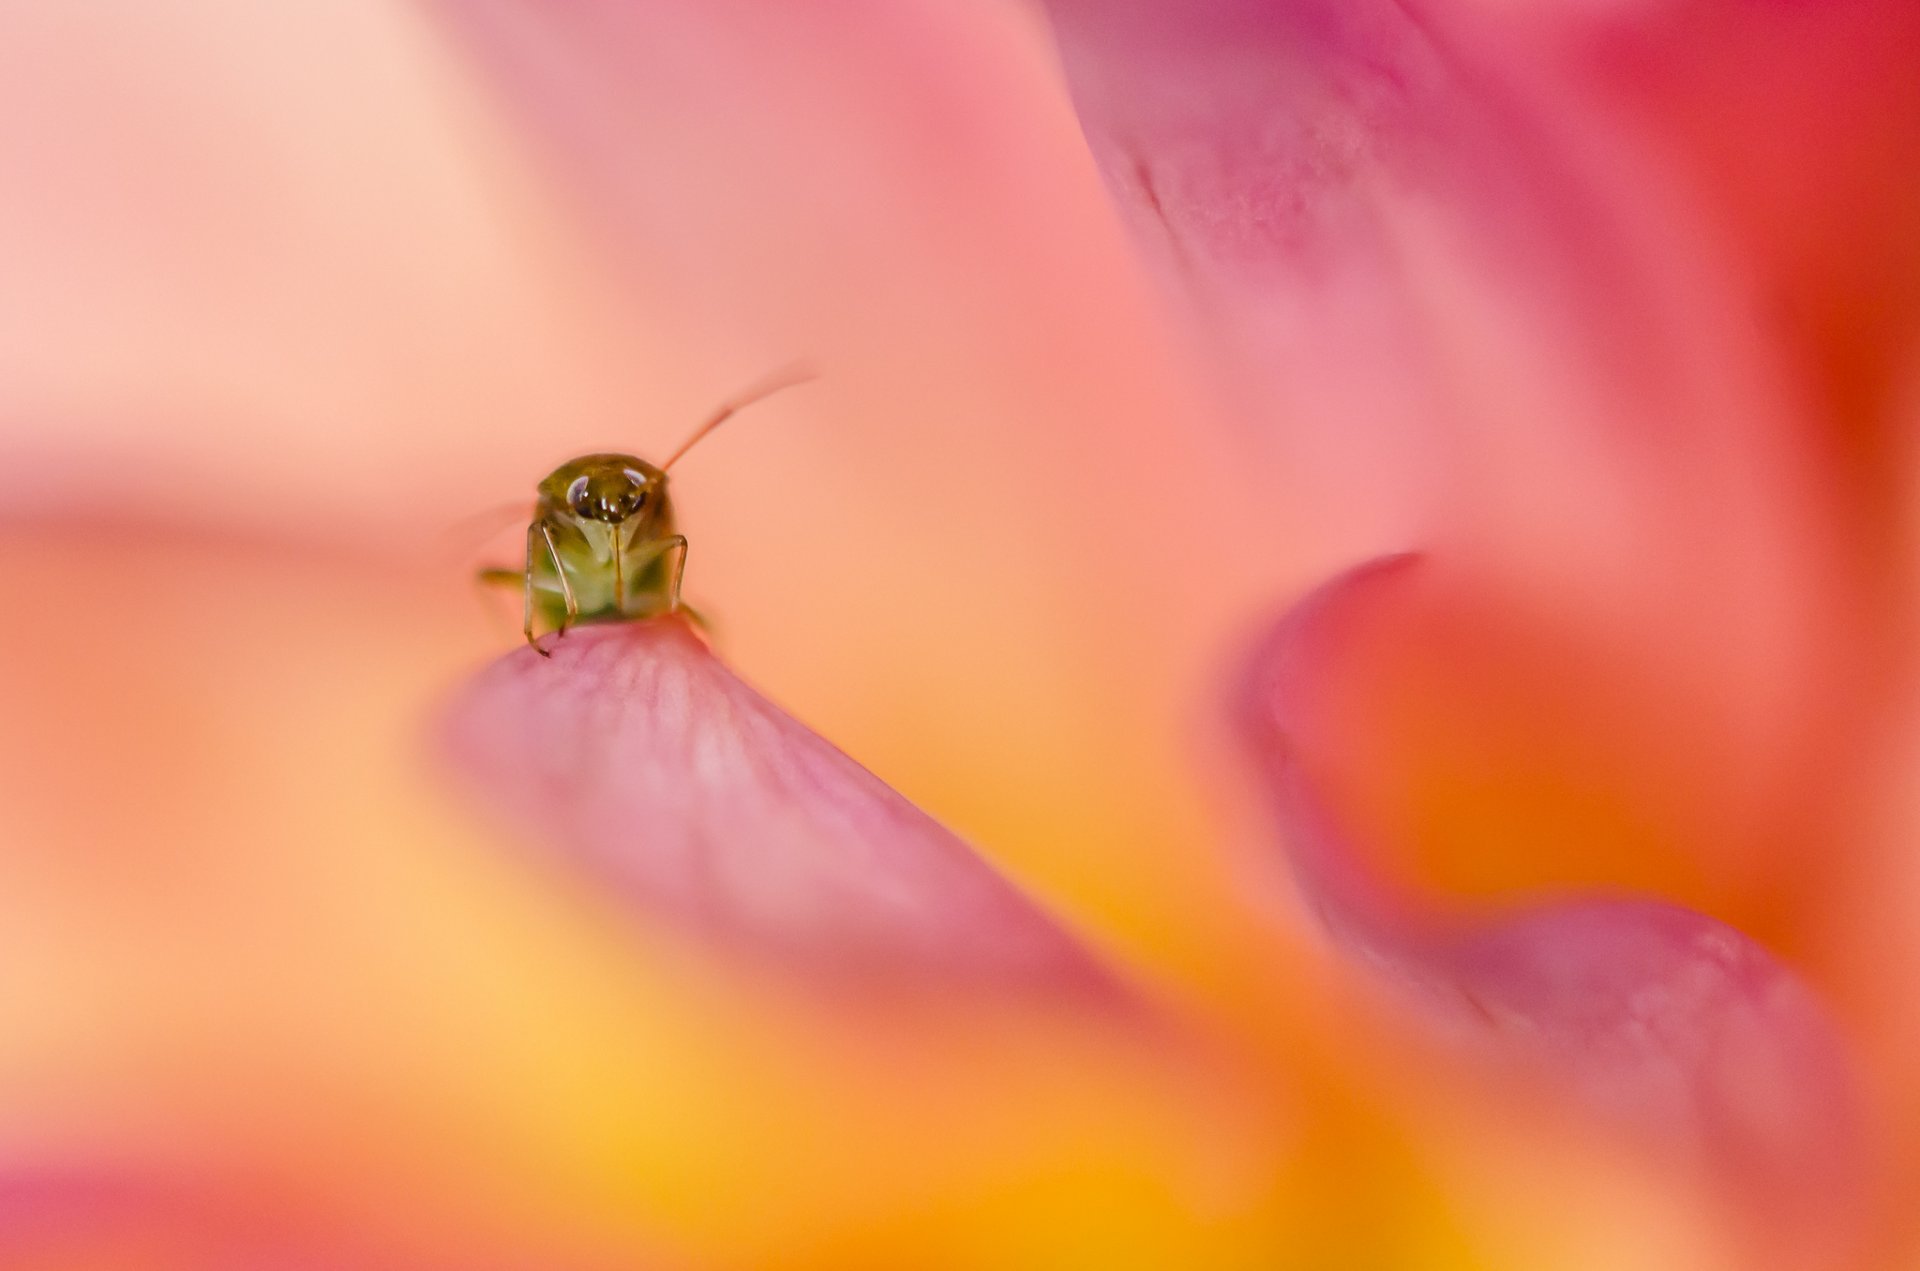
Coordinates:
x,y
1652,1012
1465,307
1458,303
724,152
116,1219
635,753
1799,125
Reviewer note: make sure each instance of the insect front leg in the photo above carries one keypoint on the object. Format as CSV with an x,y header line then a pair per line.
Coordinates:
x,y
538,536
526,580
677,544
619,571
560,572
644,556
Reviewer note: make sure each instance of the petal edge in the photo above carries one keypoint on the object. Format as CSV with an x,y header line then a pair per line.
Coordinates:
x,y
637,754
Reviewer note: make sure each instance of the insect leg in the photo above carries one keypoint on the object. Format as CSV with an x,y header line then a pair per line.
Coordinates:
x,y
677,544
645,554
566,586
697,618
527,579
619,571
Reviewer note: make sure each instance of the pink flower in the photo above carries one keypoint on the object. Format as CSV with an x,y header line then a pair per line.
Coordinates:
x,y
1588,798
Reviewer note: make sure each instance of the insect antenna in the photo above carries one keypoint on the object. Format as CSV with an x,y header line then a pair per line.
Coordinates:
x,y
785,377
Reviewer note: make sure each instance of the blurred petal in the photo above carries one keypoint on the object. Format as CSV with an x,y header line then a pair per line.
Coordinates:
x,y
1798,125
279,276
1440,279
1654,1012
635,751
79,1222
1470,313
76,1220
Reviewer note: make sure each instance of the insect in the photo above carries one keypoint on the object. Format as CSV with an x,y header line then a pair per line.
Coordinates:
x,y
602,545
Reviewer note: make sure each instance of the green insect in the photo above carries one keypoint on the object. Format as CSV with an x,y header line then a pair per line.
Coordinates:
x,y
602,545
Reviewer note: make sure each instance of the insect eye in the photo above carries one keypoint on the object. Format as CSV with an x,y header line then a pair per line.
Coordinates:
x,y
577,492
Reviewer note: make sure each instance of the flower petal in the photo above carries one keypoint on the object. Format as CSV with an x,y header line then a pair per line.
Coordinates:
x,y
635,751
1432,270
1799,127
1654,1012
1470,311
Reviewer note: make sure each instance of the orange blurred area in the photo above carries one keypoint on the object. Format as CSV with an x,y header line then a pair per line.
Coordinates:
x,y
1488,746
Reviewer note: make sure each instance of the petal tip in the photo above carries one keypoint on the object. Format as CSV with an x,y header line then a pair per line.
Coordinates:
x,y
632,751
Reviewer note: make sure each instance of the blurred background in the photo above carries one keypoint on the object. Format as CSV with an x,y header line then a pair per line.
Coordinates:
x,y
292,297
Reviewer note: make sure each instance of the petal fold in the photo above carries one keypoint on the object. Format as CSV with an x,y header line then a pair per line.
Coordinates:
x,y
1655,1013
634,752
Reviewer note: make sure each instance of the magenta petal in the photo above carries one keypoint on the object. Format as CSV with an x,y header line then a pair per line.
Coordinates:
x,y
634,752
1654,1012
1671,1017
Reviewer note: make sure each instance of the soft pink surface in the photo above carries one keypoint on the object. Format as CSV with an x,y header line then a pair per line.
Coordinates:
x,y
634,750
